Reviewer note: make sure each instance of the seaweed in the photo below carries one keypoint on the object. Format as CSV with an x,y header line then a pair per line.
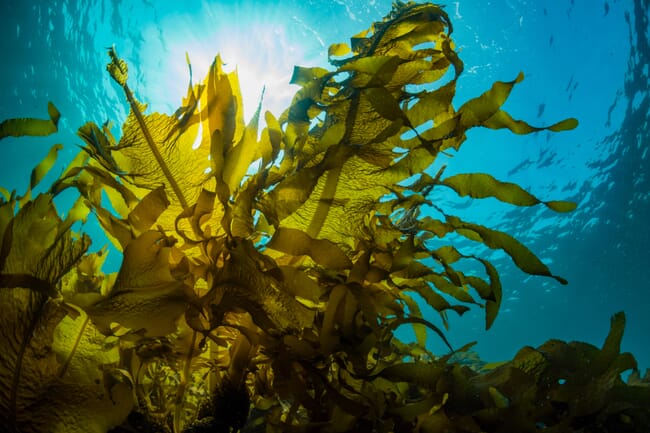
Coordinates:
x,y
57,372
264,276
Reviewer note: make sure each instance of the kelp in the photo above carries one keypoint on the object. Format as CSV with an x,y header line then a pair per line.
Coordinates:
x,y
264,276
29,126
57,373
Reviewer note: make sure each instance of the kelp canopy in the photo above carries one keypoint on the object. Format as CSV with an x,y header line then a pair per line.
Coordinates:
x,y
264,276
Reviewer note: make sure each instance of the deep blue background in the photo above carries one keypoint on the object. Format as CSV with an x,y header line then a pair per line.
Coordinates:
x,y
584,59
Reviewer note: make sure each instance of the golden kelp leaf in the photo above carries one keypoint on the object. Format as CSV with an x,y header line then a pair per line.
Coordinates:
x,y
478,110
500,400
303,76
118,69
6,215
39,172
564,125
338,50
433,298
328,336
410,411
393,324
184,167
249,281
384,103
522,256
482,185
300,285
58,385
37,250
492,294
147,211
293,279
90,392
5,196
28,126
221,110
99,145
37,247
419,329
44,166
297,242
148,293
240,156
501,119
371,71
94,183
27,361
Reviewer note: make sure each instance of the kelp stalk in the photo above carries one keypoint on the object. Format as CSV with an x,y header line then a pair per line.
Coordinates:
x,y
118,70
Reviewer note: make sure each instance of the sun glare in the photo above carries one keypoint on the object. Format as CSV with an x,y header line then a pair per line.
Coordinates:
x,y
262,44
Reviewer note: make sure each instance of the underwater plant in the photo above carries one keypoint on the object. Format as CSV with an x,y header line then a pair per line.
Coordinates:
x,y
264,276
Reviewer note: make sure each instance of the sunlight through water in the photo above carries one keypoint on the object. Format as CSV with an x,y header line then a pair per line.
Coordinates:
x,y
259,42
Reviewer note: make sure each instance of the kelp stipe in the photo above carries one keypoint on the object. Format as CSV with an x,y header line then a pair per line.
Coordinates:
x,y
268,300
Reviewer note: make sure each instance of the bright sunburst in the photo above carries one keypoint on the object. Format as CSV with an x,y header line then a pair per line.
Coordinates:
x,y
262,43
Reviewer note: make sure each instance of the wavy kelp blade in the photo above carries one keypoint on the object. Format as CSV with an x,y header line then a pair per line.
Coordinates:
x,y
478,110
38,343
304,311
522,256
343,186
502,119
149,292
492,292
30,126
482,185
49,252
39,172
91,388
243,285
297,242
45,165
37,250
148,210
238,158
28,366
486,111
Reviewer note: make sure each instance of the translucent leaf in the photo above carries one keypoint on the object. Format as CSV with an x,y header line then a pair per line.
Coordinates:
x,y
42,387
338,50
149,292
482,185
29,126
522,256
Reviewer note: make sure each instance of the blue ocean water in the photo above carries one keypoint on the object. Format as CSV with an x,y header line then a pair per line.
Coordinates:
x,y
584,59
